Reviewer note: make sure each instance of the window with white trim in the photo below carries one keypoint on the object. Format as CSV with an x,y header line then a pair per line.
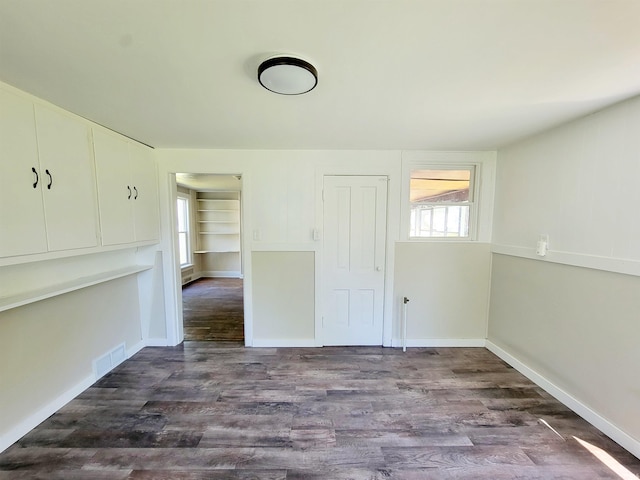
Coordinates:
x,y
183,231
442,202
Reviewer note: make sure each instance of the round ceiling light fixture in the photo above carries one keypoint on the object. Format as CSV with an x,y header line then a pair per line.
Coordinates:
x,y
287,75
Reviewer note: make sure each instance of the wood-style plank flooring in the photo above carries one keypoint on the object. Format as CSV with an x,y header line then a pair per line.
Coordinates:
x,y
206,410
213,309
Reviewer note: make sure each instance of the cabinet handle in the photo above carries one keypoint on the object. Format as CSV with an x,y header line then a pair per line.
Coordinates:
x,y
129,188
35,184
135,189
50,179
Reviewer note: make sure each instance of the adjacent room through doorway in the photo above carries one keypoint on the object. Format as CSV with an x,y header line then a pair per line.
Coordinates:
x,y
210,250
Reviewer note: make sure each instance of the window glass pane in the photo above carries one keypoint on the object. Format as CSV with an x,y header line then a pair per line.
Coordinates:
x,y
182,214
464,222
453,219
182,241
412,223
439,221
436,186
425,222
183,230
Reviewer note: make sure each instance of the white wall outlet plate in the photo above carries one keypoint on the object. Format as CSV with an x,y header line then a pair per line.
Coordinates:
x,y
542,246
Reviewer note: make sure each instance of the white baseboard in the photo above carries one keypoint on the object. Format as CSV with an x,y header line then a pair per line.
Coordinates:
x,y
212,274
440,342
136,348
286,342
156,342
423,342
35,419
591,416
220,274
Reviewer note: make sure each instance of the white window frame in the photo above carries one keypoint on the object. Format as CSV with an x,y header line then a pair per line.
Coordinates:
x,y
187,200
481,190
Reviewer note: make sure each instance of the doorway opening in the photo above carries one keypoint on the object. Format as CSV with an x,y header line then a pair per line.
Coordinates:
x,y
209,217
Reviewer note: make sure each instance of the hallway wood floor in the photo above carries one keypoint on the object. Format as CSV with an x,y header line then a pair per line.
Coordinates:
x,y
213,309
205,410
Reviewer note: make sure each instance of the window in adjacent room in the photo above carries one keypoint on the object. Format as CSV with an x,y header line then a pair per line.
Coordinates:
x,y
441,202
183,231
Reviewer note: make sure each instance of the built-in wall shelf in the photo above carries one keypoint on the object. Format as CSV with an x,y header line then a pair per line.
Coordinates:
x,y
219,231
216,251
32,296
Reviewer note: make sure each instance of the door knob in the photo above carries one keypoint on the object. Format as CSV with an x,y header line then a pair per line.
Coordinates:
x,y
378,269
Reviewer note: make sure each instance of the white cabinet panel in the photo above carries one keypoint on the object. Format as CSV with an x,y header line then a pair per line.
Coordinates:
x,y
68,180
22,227
114,188
127,190
145,185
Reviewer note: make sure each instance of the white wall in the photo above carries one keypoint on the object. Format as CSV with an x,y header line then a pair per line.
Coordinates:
x,y
281,208
578,184
282,205
570,316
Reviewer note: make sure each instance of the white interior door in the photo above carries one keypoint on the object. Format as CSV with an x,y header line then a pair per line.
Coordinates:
x,y
355,224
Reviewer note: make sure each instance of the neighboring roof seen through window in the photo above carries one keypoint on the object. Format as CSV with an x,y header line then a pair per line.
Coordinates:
x,y
435,186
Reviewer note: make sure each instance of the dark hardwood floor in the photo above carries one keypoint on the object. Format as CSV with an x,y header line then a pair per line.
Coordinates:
x,y
213,309
208,410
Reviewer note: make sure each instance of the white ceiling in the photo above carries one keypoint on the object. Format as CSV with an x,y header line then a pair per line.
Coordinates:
x,y
393,74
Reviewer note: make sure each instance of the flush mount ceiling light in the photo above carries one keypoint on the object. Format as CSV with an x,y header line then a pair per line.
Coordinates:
x,y
287,75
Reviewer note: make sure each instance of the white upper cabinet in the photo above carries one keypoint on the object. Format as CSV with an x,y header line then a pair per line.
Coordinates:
x,y
127,190
22,227
68,182
62,190
48,194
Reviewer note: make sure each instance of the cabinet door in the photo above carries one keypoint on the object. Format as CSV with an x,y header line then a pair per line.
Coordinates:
x,y
115,189
22,227
69,187
145,204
